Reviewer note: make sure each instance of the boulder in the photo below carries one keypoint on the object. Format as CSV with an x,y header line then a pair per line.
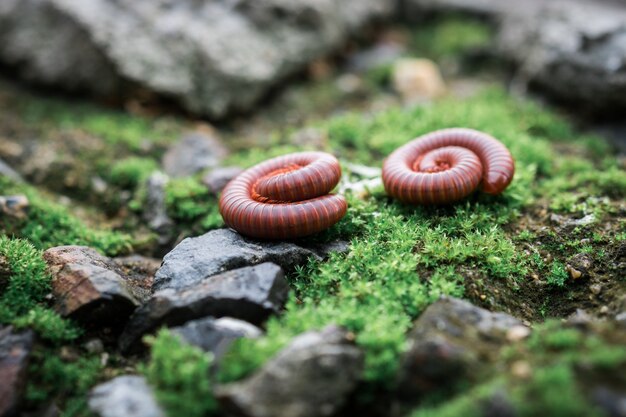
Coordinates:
x,y
213,57
311,377
574,50
124,396
15,350
251,294
451,340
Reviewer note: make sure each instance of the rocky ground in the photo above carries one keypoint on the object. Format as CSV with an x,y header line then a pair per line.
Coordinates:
x,y
122,294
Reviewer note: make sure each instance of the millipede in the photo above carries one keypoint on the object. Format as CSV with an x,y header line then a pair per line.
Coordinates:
x,y
446,166
284,197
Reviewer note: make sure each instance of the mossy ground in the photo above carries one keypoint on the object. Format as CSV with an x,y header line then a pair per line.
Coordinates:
x,y
501,252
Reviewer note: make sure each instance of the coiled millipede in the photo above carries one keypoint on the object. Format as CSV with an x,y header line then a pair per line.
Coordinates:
x,y
285,197
447,165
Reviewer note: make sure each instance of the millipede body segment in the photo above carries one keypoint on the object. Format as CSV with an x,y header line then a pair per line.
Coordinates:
x,y
447,165
285,197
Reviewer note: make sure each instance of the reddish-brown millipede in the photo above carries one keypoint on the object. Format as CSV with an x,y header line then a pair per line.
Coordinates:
x,y
447,165
285,197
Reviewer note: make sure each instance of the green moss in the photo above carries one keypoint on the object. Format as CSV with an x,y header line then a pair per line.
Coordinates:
x,y
49,224
557,275
22,303
130,172
180,376
450,36
65,380
403,258
113,126
191,206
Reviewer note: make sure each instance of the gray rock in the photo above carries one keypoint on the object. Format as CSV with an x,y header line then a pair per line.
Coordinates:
x,y
15,350
251,294
216,335
124,396
194,152
574,50
155,209
88,286
197,258
217,179
449,341
139,271
612,402
15,206
311,377
213,57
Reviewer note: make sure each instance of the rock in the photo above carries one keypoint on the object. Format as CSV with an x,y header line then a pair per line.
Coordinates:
x,y
15,350
451,340
580,265
194,152
417,80
155,209
15,206
213,57
567,225
88,286
383,53
124,396
197,258
140,271
94,346
251,294
311,377
215,335
217,178
574,50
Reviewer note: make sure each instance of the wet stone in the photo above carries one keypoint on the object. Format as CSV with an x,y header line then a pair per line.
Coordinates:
x,y
311,377
251,294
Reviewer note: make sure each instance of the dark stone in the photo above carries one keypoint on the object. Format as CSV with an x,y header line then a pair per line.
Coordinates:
x,y
15,350
251,294
217,178
194,152
124,396
89,287
452,339
312,377
197,258
215,335
15,206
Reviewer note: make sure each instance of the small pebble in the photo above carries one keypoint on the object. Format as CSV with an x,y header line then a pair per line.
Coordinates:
x,y
595,289
483,296
94,346
604,309
574,273
517,333
521,369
